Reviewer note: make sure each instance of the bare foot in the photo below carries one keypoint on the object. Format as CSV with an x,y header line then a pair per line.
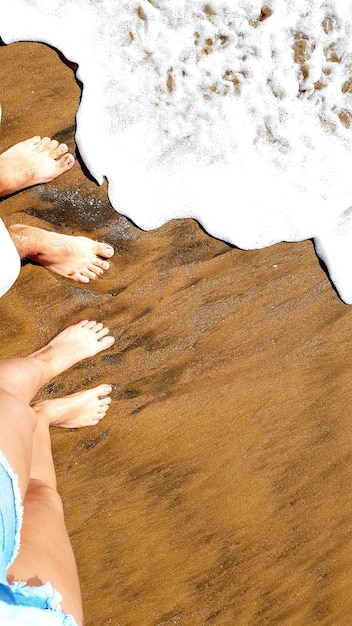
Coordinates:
x,y
31,162
78,258
74,344
84,408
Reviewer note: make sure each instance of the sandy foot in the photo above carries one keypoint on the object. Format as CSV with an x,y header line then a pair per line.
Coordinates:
x,y
84,408
80,341
78,258
31,162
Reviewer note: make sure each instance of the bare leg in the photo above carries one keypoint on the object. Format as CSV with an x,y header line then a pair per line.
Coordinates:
x,y
78,258
32,162
48,556
44,539
46,553
25,441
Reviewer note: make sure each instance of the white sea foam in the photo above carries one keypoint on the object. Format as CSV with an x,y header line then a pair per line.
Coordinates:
x,y
235,114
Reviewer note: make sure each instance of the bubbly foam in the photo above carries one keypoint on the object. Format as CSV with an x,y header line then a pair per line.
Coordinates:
x,y
236,114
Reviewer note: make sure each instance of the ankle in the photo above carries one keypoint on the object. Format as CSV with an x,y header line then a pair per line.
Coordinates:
x,y
25,239
5,187
42,369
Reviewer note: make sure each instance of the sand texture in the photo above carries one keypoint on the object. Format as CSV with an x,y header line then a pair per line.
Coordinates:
x,y
217,490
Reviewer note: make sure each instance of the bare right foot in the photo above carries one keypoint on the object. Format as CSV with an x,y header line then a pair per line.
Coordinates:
x,y
76,343
84,408
32,162
78,258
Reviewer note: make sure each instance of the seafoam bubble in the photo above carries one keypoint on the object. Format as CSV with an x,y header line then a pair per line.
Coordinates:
x,y
238,116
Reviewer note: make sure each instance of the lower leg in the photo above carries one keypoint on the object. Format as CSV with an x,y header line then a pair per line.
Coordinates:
x,y
23,376
17,424
46,553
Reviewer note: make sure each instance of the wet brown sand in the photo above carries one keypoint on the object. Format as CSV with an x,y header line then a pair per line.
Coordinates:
x,y
218,488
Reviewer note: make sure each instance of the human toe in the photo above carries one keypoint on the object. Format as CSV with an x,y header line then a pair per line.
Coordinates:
x,y
90,323
60,149
69,160
103,391
101,265
62,157
44,142
88,273
98,326
102,333
104,250
104,402
82,323
96,268
35,140
84,276
80,278
106,341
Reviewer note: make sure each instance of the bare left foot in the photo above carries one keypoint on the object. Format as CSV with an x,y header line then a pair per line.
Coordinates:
x,y
78,258
32,162
84,408
77,342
